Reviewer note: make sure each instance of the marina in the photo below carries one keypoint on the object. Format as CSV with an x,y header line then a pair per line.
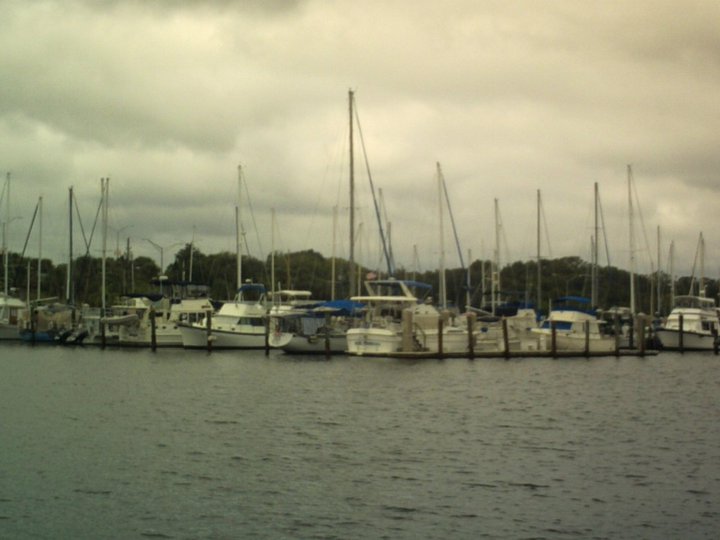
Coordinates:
x,y
303,270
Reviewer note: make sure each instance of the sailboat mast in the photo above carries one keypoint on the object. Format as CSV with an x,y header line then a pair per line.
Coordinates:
x,y
192,249
672,273
68,290
238,241
39,261
6,226
443,285
596,239
334,246
495,274
659,275
351,260
443,184
105,188
272,257
468,298
701,291
539,268
632,242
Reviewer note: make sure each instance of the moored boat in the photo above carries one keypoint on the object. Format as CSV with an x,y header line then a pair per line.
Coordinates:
x,y
576,328
318,330
399,318
693,324
238,324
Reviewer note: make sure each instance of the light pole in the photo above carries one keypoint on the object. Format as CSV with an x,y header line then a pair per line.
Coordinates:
x,y
161,249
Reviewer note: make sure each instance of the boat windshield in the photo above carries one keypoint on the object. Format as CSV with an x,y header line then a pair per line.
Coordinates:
x,y
696,302
392,287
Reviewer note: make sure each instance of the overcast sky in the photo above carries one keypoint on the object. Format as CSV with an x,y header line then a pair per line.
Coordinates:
x,y
167,98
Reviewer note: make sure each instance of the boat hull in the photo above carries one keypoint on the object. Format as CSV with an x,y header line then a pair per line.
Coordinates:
x,y
9,332
372,341
196,337
575,342
316,344
692,341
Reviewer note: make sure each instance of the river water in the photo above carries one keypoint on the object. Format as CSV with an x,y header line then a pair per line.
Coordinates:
x,y
182,444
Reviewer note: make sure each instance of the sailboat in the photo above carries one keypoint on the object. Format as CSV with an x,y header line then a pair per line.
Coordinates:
x,y
321,328
400,318
45,318
10,306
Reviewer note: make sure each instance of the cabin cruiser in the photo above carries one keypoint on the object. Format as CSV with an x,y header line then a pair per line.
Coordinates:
x,y
320,329
692,325
519,324
143,319
400,318
238,324
577,329
136,316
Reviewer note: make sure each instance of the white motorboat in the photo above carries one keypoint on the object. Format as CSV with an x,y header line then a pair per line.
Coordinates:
x,y
576,328
238,324
134,320
692,325
400,319
490,336
317,330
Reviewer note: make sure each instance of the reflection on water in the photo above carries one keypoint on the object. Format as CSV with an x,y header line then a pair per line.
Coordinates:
x,y
181,444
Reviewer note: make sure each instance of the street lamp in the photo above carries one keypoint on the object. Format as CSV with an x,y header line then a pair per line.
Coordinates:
x,y
161,249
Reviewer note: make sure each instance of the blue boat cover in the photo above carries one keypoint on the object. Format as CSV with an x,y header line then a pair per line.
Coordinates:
x,y
343,307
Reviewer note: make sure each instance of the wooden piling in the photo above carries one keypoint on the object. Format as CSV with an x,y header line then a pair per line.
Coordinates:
x,y
407,343
327,336
471,338
553,338
641,335
586,326
267,335
208,324
681,333
33,324
617,331
506,339
153,330
103,338
440,337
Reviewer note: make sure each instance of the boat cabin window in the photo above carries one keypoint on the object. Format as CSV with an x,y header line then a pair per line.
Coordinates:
x,y
251,321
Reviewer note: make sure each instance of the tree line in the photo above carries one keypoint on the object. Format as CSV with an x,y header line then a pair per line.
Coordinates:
x,y
309,270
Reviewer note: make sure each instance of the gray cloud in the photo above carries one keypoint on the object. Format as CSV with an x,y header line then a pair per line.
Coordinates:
x,y
167,99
